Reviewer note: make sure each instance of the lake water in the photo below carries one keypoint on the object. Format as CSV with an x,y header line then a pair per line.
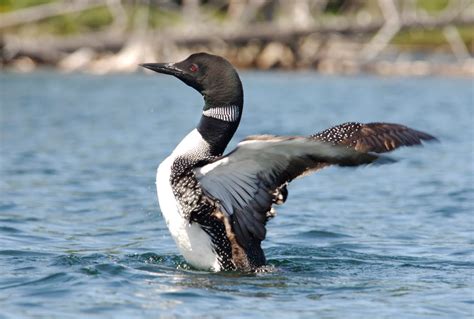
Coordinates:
x,y
81,235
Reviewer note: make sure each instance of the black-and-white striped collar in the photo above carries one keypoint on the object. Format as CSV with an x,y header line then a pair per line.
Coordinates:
x,y
229,113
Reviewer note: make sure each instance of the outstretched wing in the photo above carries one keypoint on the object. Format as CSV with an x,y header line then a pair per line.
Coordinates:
x,y
243,181
373,137
370,137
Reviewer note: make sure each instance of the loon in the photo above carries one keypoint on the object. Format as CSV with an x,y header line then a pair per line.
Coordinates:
x,y
216,206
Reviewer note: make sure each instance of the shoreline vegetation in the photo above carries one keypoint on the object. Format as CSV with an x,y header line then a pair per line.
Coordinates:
x,y
385,37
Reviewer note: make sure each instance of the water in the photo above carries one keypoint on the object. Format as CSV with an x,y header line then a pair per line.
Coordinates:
x,y
81,234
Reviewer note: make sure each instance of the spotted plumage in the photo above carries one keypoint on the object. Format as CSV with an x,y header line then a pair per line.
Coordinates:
x,y
372,137
201,209
217,206
339,133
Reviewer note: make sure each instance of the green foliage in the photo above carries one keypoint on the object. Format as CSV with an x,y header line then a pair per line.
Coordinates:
x,y
431,38
94,19
58,25
334,6
88,20
420,38
467,34
432,6
10,5
74,23
161,18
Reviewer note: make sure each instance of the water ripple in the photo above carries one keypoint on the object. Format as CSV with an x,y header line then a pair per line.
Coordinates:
x,y
81,235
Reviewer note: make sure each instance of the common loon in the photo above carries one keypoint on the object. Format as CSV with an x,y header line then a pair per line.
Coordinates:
x,y
216,206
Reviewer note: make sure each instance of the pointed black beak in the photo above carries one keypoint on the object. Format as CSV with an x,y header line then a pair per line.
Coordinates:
x,y
165,68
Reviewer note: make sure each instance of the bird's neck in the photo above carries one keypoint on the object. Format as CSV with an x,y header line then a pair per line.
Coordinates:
x,y
218,125
222,111
219,121
211,136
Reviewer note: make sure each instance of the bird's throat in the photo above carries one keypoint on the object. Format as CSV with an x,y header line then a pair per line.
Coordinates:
x,y
218,129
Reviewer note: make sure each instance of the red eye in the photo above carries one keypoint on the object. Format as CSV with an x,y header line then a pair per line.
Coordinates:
x,y
193,68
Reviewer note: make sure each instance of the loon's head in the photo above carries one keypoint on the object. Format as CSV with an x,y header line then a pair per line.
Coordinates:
x,y
211,75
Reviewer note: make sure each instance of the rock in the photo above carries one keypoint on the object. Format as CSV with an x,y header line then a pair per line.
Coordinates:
x,y
275,54
127,60
24,64
247,55
308,50
77,60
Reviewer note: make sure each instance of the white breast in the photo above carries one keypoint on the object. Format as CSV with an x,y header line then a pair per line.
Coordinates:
x,y
193,243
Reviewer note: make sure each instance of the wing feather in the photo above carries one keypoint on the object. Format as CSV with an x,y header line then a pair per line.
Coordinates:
x,y
373,137
244,180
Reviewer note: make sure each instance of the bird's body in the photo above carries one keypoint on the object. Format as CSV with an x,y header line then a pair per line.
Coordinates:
x,y
193,243
216,207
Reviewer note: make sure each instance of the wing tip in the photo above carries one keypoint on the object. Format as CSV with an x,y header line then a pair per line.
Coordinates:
x,y
425,137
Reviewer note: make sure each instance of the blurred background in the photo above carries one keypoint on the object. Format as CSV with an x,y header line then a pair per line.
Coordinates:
x,y
388,37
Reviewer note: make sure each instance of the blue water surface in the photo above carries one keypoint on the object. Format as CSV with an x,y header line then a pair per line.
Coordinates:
x,y
81,234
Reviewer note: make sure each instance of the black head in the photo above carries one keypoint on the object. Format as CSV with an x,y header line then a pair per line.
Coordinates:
x,y
211,75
